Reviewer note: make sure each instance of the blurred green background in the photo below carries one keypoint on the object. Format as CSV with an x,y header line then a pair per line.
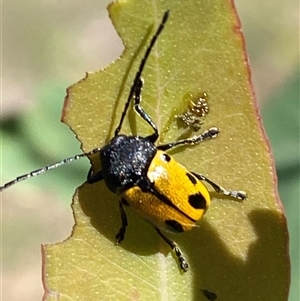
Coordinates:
x,y
46,47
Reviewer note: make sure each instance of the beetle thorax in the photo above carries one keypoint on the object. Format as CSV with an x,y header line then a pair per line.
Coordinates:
x,y
125,161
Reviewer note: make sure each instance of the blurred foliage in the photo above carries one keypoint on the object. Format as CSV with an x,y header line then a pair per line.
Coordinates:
x,y
35,139
281,116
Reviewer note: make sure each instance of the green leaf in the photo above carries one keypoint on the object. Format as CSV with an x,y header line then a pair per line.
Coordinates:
x,y
239,250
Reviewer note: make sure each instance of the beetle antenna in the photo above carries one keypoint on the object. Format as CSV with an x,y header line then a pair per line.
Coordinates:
x,y
141,68
47,168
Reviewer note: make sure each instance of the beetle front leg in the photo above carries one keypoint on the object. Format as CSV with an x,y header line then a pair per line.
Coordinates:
x,y
121,233
94,177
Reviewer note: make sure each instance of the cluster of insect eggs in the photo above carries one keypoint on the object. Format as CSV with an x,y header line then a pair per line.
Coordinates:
x,y
196,112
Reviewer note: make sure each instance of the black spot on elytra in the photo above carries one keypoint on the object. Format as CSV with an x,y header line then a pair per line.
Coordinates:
x,y
174,225
197,201
166,157
191,178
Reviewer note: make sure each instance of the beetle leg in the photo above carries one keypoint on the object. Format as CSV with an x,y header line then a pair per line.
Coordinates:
x,y
121,234
137,100
237,194
208,134
182,262
93,178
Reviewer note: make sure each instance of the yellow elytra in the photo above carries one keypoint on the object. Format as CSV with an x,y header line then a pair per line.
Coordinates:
x,y
180,199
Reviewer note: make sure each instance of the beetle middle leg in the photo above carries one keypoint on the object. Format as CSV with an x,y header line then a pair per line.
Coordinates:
x,y
237,194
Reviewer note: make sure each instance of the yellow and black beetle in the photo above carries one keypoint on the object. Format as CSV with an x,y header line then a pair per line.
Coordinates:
x,y
148,179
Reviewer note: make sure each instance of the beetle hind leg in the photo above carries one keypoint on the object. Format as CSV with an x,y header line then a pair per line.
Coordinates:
x,y
182,262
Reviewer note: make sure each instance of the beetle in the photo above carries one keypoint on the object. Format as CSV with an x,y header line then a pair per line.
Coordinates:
x,y
146,177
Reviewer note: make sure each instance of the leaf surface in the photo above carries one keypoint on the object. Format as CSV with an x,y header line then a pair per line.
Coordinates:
x,y
239,249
